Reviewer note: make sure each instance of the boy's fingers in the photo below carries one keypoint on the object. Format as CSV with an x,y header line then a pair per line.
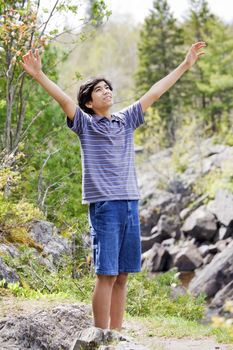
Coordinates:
x,y
199,43
37,54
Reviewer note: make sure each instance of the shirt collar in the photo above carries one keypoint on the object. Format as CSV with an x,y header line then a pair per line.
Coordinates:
x,y
98,118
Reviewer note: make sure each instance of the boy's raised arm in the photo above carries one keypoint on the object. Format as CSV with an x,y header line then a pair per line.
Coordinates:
x,y
32,65
159,88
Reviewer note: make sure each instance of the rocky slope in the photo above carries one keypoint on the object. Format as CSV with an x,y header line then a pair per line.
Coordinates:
x,y
185,230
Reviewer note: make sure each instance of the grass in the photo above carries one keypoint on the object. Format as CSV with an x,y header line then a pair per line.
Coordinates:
x,y
179,316
177,327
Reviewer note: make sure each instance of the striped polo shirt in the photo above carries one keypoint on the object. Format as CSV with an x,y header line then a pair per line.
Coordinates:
x,y
107,150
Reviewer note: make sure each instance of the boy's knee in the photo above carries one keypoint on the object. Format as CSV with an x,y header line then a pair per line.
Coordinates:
x,y
105,279
121,279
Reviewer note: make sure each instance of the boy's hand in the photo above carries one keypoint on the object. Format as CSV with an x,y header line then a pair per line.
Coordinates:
x,y
32,63
193,54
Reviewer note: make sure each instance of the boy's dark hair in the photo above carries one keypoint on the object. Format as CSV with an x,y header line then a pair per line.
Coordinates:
x,y
84,94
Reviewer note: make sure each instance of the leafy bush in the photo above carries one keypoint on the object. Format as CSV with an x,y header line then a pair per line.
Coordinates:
x,y
149,296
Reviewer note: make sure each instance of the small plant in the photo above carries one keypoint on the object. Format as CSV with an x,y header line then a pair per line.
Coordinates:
x,y
225,323
149,296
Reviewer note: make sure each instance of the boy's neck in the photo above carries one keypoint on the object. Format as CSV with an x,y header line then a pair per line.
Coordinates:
x,y
103,113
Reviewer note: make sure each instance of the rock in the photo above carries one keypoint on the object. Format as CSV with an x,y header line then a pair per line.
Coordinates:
x,y
196,204
95,338
222,207
163,202
166,225
177,291
222,233
207,259
148,242
9,249
88,339
46,234
188,259
7,273
221,245
67,327
201,225
168,243
47,329
222,296
215,275
229,232
155,259
204,250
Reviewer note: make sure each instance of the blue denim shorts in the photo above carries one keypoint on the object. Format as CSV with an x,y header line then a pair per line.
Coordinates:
x,y
115,236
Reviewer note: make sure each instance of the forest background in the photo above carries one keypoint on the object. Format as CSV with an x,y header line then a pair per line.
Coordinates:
x,y
40,164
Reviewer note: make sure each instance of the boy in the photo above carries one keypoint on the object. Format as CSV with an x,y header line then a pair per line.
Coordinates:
x,y
109,178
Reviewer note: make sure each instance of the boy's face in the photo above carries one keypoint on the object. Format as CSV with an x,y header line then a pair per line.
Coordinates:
x,y
101,97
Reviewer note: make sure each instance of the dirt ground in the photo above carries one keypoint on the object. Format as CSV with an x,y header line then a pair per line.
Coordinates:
x,y
10,306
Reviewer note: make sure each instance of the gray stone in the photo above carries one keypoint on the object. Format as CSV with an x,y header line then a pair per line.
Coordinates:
x,y
7,273
46,234
9,249
166,225
148,242
51,329
155,259
222,233
215,275
201,225
222,296
188,259
207,259
204,250
89,338
221,245
222,207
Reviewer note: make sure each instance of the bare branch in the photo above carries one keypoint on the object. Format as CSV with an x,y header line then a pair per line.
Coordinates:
x,y
50,15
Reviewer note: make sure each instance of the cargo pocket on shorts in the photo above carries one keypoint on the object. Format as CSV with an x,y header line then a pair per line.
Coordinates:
x,y
94,245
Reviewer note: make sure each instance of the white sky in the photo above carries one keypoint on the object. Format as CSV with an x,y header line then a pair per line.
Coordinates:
x,y
140,8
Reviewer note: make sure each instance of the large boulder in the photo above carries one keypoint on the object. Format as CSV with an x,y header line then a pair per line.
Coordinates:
x,y
225,294
222,207
67,327
98,339
156,259
47,329
147,242
215,275
201,225
46,234
188,259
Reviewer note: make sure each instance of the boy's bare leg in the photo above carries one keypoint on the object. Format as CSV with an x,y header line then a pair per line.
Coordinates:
x,y
118,301
101,301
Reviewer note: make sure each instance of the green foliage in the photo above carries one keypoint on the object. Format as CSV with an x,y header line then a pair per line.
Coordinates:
x,y
148,296
222,324
188,139
37,279
152,133
215,180
160,50
15,215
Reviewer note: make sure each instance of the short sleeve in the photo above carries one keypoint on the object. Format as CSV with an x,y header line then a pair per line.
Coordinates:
x,y
79,123
133,115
